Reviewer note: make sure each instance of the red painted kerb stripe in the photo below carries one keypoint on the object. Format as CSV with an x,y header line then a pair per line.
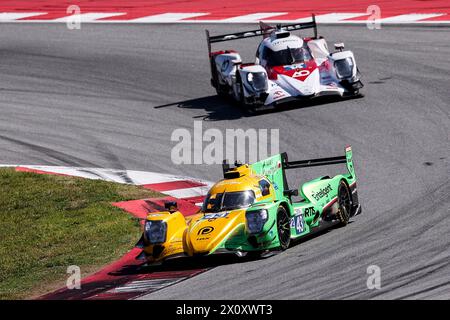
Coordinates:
x,y
101,285
173,185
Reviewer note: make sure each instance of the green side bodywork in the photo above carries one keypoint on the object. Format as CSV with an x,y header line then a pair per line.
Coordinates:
x,y
316,199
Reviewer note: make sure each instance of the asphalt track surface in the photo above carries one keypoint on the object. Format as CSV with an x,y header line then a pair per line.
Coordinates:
x,y
111,95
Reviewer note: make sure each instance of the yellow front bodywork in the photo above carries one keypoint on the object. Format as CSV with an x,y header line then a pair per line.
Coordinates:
x,y
207,231
204,232
174,244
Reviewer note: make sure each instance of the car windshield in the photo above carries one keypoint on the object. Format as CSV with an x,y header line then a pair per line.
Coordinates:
x,y
287,56
218,202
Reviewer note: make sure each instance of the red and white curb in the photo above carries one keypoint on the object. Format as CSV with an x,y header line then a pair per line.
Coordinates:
x,y
180,187
359,18
230,11
125,278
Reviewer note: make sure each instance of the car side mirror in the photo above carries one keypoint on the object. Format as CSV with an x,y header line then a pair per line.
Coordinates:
x,y
290,193
339,46
171,206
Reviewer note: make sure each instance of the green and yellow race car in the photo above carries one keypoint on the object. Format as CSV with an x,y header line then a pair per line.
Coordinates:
x,y
252,210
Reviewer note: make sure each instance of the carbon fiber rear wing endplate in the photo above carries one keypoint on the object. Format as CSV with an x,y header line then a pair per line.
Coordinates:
x,y
260,32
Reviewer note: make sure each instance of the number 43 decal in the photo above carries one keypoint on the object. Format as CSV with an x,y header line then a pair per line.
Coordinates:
x,y
297,222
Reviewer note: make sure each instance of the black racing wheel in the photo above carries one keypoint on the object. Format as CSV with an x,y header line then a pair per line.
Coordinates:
x,y
283,228
344,202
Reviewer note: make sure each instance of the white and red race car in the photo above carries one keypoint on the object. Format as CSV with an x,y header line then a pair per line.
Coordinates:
x,y
286,68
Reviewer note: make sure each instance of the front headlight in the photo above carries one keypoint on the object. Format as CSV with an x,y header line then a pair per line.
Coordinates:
x,y
155,231
255,220
344,67
258,80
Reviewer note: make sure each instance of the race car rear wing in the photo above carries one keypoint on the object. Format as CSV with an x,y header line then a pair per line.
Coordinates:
x,y
311,162
347,158
270,168
259,32
286,164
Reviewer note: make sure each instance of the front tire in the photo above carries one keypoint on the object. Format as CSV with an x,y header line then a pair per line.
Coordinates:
x,y
239,97
345,203
283,228
221,91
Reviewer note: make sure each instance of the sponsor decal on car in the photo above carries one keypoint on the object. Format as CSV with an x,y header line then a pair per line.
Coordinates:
x,y
269,167
278,94
295,66
322,192
279,42
310,212
297,221
205,230
212,216
301,73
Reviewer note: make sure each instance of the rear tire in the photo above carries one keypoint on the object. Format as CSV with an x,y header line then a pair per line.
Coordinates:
x,y
283,228
357,94
240,99
241,96
345,203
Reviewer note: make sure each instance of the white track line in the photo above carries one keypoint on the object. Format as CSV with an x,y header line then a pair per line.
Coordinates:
x,y
333,17
89,17
145,285
253,17
127,176
405,18
14,16
329,18
188,193
167,17
120,176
